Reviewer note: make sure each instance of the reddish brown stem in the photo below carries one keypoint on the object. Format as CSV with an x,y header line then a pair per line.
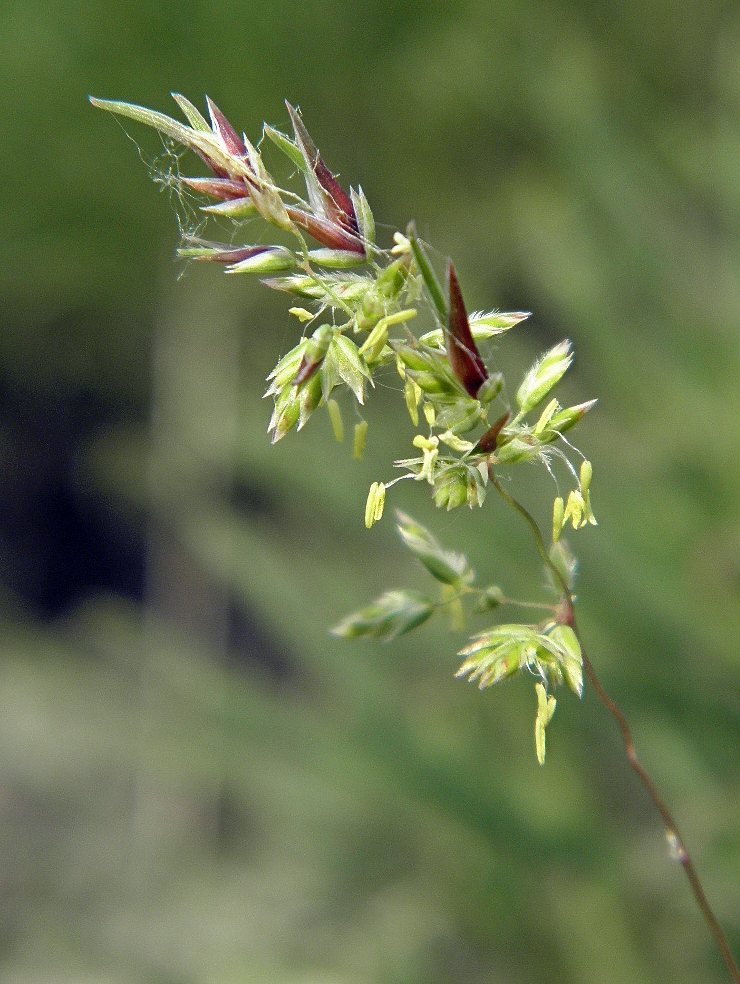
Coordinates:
x,y
677,845
676,842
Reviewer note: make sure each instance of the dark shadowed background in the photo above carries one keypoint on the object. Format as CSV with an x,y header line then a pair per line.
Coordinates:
x,y
197,783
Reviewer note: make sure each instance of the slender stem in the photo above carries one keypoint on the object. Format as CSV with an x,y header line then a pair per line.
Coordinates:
x,y
536,533
540,605
675,841
306,266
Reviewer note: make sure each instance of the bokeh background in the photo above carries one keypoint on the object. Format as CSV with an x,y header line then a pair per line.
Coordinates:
x,y
197,783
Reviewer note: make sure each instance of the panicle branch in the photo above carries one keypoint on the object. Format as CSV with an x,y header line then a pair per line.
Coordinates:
x,y
363,296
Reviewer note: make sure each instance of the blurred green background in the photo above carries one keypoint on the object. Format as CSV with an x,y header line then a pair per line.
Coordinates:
x,y
198,784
